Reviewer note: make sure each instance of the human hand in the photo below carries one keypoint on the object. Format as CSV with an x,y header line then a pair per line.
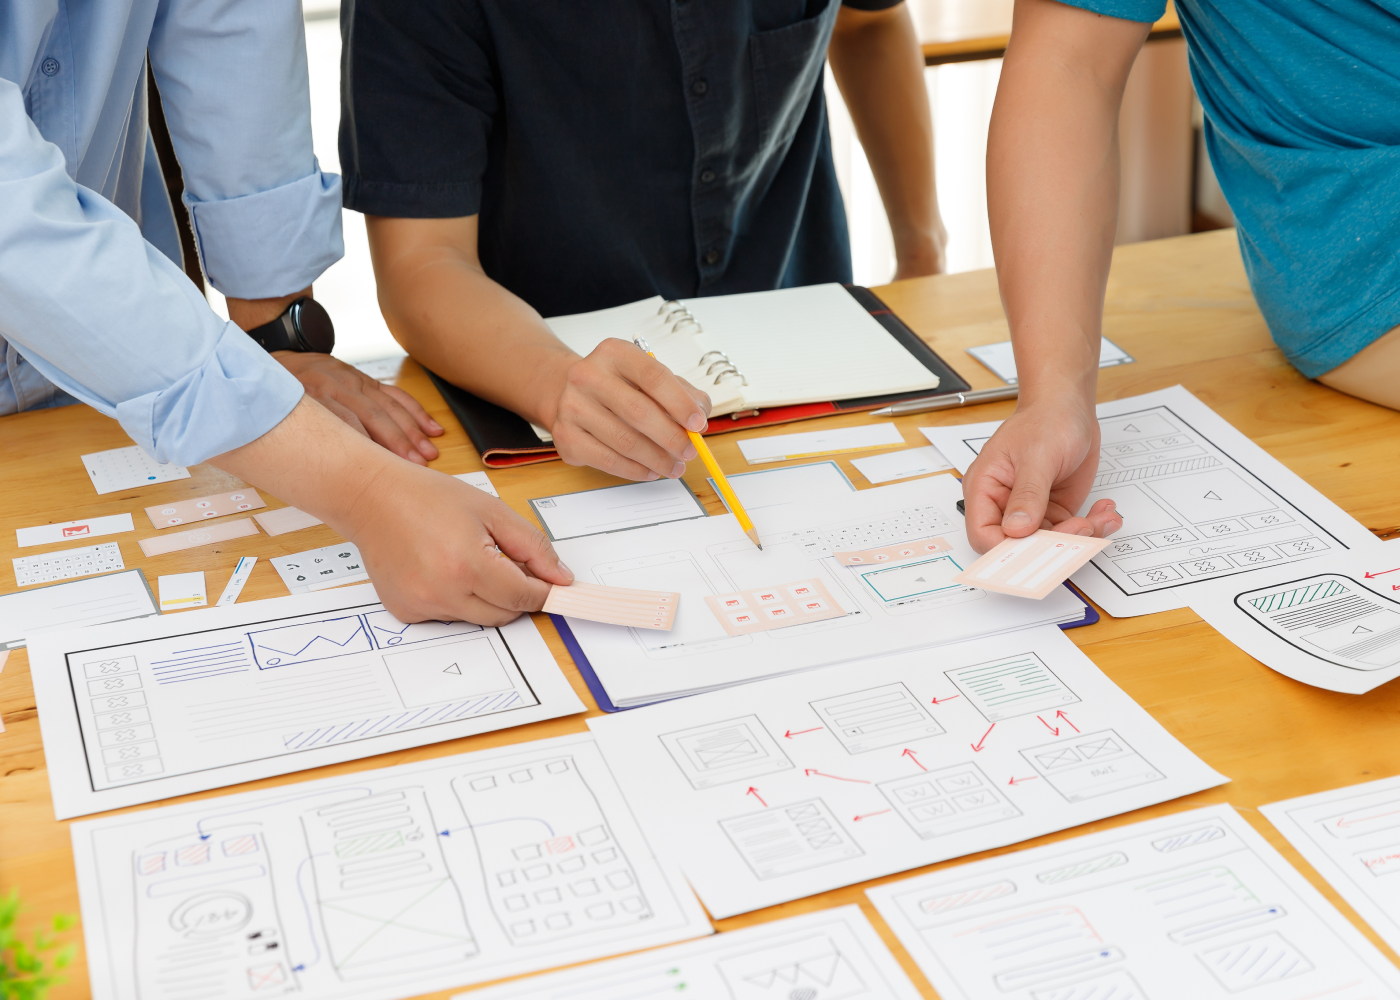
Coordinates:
x,y
383,413
622,411
1034,473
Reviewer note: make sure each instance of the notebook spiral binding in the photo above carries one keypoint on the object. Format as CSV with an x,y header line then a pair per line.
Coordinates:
x,y
678,315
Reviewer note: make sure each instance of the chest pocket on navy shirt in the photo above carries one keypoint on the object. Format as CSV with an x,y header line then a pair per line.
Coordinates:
x,y
786,64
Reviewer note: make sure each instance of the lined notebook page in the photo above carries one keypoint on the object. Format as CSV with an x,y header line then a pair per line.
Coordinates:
x,y
807,345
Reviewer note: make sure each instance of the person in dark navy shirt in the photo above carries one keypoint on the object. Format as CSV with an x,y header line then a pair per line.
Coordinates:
x,y
519,159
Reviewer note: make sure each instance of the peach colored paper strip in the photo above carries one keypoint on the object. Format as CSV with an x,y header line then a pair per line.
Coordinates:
x,y
222,532
615,605
746,611
893,553
1032,566
285,519
187,512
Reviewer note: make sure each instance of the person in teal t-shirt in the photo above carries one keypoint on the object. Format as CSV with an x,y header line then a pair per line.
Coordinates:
x,y
1302,123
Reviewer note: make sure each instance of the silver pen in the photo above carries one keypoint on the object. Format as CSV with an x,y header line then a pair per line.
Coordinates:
x,y
947,401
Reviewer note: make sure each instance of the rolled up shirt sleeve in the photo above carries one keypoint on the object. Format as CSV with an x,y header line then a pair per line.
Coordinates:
x,y
107,317
233,82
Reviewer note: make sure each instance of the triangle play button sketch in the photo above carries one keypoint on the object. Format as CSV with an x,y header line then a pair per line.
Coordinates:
x,y
1132,428
1359,628
1212,495
454,669
919,579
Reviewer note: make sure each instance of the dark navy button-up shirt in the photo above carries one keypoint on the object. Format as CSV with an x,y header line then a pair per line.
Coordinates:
x,y
614,149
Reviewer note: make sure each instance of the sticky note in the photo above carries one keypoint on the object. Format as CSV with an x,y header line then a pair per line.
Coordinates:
x,y
1032,566
204,535
615,605
182,590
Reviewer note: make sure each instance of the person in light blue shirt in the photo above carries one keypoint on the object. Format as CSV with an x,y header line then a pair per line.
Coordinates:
x,y
1302,124
93,307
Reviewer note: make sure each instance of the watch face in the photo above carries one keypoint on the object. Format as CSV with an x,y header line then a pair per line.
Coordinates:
x,y
314,325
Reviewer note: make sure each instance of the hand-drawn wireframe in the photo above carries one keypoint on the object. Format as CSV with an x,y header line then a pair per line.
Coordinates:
x,y
289,645
875,718
553,868
782,840
1091,764
1197,902
207,920
120,719
1331,617
448,672
1012,686
386,630
383,889
947,800
718,753
810,968
695,629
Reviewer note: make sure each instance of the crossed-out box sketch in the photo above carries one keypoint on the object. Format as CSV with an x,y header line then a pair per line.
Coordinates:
x,y
1090,765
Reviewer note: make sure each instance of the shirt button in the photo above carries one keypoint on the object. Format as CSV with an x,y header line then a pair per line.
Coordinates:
x,y
699,87
50,66
712,257
707,176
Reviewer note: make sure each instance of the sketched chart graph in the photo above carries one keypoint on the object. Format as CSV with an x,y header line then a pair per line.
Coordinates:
x,y
386,630
292,644
810,968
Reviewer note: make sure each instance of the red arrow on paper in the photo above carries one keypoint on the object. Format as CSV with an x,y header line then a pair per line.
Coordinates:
x,y
1344,823
857,819
1017,781
821,774
939,701
1372,576
790,734
1053,729
1062,715
910,754
977,747
754,792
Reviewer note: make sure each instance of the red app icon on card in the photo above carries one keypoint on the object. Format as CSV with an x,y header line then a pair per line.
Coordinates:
x,y
75,530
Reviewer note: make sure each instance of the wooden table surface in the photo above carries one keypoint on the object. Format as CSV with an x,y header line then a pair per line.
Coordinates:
x,y
1181,307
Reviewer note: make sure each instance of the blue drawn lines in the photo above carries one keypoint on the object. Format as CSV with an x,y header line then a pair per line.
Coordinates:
x,y
389,631
487,704
291,644
201,662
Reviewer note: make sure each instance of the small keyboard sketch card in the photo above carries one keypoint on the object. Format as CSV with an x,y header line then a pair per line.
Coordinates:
x,y
180,540
653,609
68,564
1199,500
894,553
1195,904
379,885
1032,566
142,711
321,569
169,515
747,611
127,468
833,954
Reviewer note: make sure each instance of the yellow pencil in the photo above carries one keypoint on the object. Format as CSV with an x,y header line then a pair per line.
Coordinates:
x,y
721,484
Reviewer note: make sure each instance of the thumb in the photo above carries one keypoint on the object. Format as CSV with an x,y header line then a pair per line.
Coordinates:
x,y
522,542
1029,497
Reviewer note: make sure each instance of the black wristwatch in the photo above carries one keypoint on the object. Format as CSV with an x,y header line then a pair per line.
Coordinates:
x,y
305,326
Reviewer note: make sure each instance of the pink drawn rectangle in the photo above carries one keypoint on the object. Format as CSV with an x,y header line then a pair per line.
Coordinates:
x,y
893,553
759,610
615,605
188,512
285,519
1032,566
204,535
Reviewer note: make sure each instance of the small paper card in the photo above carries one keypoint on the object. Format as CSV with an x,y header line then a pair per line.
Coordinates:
x,y
1032,566
747,611
68,564
127,468
321,569
182,590
47,534
893,553
168,515
614,605
480,480
285,519
162,544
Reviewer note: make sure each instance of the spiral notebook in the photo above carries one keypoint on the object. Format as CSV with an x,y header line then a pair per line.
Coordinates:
x,y
764,358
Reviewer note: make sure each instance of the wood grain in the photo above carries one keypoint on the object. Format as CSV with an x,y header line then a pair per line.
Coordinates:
x,y
1181,307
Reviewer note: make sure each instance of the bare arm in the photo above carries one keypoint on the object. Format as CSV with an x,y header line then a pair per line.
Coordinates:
x,y
1052,192
616,410
879,67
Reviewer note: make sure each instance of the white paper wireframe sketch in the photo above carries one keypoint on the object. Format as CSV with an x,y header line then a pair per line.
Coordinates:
x,y
799,784
902,604
140,711
1332,622
1200,502
829,955
1195,904
1352,837
378,885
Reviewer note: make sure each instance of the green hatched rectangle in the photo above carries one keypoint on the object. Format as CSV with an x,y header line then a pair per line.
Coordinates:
x,y
372,844
1298,596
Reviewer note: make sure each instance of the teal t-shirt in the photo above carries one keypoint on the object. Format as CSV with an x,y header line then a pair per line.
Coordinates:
x,y
1302,108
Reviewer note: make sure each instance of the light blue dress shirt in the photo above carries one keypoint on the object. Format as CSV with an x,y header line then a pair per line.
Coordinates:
x,y
92,306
